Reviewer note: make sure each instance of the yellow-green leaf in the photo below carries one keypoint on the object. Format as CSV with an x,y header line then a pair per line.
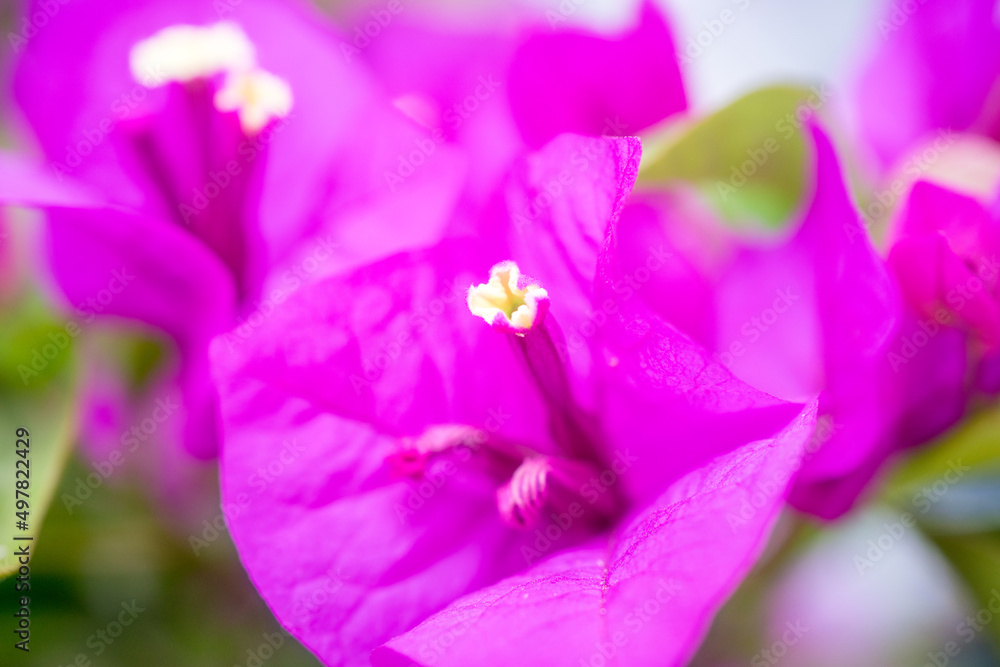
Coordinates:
x,y
48,411
975,443
976,558
748,158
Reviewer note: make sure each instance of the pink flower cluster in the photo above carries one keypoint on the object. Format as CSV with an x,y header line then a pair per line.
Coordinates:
x,y
539,415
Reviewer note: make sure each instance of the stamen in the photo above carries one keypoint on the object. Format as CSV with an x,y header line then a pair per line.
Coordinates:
x,y
522,498
257,95
540,482
183,53
537,485
509,302
411,460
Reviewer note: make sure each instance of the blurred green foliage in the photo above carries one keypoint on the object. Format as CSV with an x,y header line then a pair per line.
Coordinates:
x,y
748,159
38,393
119,551
974,443
952,487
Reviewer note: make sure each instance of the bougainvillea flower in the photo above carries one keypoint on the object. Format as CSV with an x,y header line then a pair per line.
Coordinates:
x,y
937,68
811,314
526,78
213,154
945,253
945,256
417,457
571,81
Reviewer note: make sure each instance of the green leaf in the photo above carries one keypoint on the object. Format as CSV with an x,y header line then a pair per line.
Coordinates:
x,y
48,410
975,443
748,159
976,558
35,346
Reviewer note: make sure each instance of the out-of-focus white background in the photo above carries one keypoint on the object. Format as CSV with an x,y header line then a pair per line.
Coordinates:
x,y
808,41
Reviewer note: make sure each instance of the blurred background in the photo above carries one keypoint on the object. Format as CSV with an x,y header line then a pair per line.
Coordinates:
x,y
120,543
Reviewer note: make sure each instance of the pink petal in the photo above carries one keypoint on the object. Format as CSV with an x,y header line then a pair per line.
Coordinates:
x,y
645,597
672,251
75,88
577,82
337,377
110,261
559,205
935,69
934,277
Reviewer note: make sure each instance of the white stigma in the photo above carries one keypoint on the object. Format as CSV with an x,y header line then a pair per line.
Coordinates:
x,y
257,95
509,302
183,53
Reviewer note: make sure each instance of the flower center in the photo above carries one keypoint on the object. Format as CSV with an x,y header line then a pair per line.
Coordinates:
x,y
552,482
532,486
197,137
257,96
510,302
183,53
531,482
187,53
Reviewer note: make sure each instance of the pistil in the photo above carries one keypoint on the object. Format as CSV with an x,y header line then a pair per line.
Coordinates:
x,y
510,302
